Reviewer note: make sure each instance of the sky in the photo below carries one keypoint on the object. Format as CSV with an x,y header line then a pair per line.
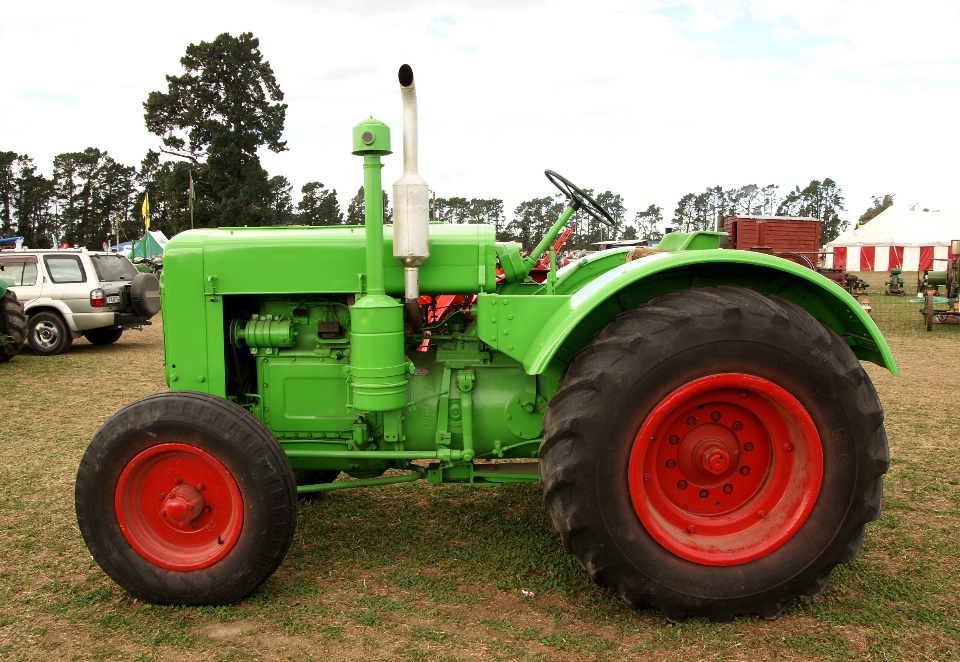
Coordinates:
x,y
650,99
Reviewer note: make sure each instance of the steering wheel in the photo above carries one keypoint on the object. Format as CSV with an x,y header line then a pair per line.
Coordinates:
x,y
578,199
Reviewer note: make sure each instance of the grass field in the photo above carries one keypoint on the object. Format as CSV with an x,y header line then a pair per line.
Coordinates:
x,y
435,573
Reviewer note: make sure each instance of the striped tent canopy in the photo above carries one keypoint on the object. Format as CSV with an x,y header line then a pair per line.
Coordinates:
x,y
897,237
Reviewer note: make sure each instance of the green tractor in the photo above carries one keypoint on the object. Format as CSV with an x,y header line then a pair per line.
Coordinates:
x,y
706,438
13,321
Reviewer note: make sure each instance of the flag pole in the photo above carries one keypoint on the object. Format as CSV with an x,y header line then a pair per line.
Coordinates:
x,y
145,210
190,198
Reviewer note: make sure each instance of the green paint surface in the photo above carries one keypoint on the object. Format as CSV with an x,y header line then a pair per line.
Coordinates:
x,y
304,327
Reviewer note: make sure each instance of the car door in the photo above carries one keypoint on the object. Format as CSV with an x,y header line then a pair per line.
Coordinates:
x,y
66,282
23,271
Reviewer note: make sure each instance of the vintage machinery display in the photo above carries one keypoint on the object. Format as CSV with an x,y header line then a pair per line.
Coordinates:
x,y
930,282
895,284
706,438
794,238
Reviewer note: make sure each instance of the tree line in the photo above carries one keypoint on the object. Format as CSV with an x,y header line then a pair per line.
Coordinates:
x,y
226,105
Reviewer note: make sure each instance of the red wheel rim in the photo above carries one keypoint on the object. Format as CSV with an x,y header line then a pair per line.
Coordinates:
x,y
725,469
178,507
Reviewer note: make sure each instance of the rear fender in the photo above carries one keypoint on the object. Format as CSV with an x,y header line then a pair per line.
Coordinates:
x,y
598,300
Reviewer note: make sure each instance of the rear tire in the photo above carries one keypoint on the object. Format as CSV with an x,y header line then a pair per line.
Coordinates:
x,y
650,429
105,336
13,325
48,334
186,498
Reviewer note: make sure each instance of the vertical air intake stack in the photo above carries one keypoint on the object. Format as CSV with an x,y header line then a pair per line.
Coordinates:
x,y
411,203
378,363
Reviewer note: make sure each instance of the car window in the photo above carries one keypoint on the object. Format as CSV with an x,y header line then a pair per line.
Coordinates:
x,y
21,270
29,273
13,271
65,269
113,267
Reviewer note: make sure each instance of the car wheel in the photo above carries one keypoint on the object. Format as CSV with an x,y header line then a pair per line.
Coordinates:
x,y
714,452
13,325
185,498
48,334
105,336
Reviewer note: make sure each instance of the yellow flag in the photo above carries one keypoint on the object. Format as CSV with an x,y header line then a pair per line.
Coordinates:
x,y
145,210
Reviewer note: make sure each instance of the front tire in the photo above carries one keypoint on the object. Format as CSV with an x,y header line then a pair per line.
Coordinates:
x,y
712,453
48,334
186,498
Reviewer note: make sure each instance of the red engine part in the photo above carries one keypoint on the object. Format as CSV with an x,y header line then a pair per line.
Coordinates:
x,y
438,308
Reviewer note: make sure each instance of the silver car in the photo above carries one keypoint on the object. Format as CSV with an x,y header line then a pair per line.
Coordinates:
x,y
67,293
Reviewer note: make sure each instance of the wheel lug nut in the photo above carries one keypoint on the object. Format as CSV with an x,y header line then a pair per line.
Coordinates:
x,y
691,528
682,484
744,471
646,479
206,509
671,464
714,416
674,439
163,495
200,486
728,488
163,512
748,446
704,494
742,394
178,480
691,421
788,447
737,425
761,514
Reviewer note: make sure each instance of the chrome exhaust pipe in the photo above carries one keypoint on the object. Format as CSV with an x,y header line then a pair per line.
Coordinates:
x,y
411,204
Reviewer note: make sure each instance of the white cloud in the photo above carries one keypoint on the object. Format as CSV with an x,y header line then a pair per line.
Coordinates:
x,y
613,95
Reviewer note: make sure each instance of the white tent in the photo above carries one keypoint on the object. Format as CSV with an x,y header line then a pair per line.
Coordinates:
x,y
897,237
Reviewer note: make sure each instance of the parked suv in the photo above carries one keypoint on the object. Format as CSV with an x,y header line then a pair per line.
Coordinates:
x,y
67,293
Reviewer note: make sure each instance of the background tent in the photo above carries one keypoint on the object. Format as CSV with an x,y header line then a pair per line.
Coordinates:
x,y
897,237
150,245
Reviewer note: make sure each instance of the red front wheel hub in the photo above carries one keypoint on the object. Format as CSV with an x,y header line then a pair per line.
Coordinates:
x,y
725,469
178,507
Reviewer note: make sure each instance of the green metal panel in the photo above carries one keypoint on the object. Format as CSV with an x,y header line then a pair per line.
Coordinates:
x,y
308,260
511,322
627,285
215,375
304,398
184,310
690,241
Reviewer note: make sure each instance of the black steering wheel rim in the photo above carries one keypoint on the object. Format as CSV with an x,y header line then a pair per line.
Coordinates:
x,y
578,198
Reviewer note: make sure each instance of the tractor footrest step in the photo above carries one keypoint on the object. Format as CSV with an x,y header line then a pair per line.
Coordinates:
x,y
494,473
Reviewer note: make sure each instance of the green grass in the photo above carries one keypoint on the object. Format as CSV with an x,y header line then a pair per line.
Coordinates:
x,y
421,572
